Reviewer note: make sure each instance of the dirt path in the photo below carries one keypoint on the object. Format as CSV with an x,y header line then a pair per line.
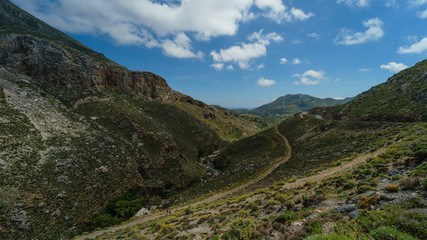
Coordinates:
x,y
336,171
204,201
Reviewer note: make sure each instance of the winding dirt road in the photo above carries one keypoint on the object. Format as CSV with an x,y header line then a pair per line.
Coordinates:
x,y
207,200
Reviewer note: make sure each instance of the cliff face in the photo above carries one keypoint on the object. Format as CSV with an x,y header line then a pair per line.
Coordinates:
x,y
50,62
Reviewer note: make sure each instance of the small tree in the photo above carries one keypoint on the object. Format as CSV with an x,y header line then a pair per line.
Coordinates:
x,y
241,229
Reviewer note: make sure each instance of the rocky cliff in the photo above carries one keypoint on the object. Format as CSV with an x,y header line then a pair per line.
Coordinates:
x,y
50,62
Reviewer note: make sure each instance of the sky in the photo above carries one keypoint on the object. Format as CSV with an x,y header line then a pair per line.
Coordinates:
x,y
246,53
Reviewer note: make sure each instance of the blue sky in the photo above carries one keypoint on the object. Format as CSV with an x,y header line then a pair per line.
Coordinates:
x,y
245,53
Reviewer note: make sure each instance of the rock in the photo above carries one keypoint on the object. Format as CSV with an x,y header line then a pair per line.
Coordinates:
x,y
314,216
103,169
346,208
274,236
354,214
141,212
274,207
394,172
20,217
20,205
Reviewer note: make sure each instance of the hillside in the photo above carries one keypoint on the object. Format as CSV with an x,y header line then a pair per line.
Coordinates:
x,y
290,104
345,179
78,132
403,97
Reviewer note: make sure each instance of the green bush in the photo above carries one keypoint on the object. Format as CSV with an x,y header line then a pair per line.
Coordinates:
x,y
389,233
424,183
286,217
313,227
364,188
241,229
332,236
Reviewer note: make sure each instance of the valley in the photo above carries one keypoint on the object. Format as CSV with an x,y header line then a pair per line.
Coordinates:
x,y
92,150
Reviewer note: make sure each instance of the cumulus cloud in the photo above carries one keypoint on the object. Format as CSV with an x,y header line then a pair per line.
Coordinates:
x,y
296,61
263,82
244,53
373,33
314,36
417,47
310,77
394,67
275,10
352,3
154,23
179,47
283,61
218,66
230,67
419,3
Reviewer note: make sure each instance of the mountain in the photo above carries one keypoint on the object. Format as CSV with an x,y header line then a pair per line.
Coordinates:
x,y
291,104
403,97
79,131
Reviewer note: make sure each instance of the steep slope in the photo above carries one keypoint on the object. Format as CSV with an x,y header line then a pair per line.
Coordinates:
x,y
31,47
403,97
291,104
78,130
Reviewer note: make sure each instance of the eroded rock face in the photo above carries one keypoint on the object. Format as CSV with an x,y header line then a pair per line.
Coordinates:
x,y
53,63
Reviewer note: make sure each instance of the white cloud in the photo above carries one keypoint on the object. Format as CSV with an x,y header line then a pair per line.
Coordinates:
x,y
391,3
417,47
299,14
417,3
296,61
351,3
262,82
179,47
394,67
365,69
230,67
310,77
243,54
218,66
261,66
374,33
314,36
158,23
283,61
275,10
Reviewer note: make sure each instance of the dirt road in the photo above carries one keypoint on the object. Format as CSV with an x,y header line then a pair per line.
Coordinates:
x,y
210,199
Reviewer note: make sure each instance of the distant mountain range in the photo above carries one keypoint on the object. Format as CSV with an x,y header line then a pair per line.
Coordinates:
x,y
291,104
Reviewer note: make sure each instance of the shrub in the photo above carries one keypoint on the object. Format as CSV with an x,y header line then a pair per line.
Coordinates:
x,y
294,179
188,211
314,199
410,183
286,217
392,188
420,171
366,202
364,188
313,227
332,236
389,233
348,186
424,183
241,229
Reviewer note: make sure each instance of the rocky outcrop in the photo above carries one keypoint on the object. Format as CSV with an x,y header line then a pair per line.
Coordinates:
x,y
53,63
